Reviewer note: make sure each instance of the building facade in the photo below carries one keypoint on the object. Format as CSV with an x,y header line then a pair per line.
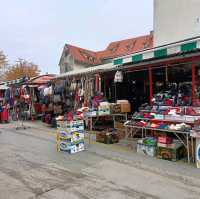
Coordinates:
x,y
76,58
175,20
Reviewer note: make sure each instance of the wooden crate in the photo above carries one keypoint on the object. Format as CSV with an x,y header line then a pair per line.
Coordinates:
x,y
173,153
107,138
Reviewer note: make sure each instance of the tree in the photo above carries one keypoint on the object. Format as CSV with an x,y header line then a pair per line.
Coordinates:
x,y
22,68
3,64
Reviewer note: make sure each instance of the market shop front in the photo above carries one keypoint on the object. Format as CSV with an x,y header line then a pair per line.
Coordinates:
x,y
159,87
171,114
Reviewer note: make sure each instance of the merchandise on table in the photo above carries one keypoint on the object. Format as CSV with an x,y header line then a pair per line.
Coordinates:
x,y
91,113
70,136
165,140
166,118
104,108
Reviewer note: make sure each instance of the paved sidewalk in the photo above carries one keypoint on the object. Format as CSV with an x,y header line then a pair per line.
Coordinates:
x,y
32,168
177,170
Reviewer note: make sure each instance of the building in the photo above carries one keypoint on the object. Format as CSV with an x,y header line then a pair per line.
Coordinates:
x,y
75,58
175,20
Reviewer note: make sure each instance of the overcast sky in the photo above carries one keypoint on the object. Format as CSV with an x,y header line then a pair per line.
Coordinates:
x,y
38,29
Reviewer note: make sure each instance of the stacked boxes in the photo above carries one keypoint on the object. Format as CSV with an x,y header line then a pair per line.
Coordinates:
x,y
70,136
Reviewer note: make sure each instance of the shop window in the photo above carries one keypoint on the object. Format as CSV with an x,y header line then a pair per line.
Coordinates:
x,y
173,85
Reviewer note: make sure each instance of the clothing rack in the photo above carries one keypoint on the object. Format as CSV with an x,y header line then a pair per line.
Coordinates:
x,y
21,116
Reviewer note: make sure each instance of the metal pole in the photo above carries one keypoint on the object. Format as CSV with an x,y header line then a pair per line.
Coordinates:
x,y
150,85
188,149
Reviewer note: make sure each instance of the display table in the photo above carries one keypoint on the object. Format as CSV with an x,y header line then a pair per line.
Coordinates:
x,y
93,119
132,130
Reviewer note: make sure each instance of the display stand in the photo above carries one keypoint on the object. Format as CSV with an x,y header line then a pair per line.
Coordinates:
x,y
20,123
20,116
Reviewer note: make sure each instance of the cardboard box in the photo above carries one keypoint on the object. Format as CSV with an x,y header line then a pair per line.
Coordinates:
x,y
146,149
115,108
125,106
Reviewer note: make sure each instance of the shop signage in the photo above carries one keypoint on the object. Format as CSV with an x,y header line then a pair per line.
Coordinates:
x,y
198,152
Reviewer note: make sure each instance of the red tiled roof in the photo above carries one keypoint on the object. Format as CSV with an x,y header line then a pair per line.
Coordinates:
x,y
114,49
126,47
83,55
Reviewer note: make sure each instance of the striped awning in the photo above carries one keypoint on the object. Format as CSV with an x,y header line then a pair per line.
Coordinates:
x,y
182,47
94,69
16,81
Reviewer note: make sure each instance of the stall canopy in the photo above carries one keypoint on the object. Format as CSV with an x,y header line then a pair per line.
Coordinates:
x,y
94,69
17,81
178,48
42,79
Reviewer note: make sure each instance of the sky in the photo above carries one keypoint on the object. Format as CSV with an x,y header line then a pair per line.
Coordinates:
x,y
37,30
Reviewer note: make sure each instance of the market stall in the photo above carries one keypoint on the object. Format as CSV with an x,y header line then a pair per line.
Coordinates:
x,y
161,86
171,87
90,90
37,86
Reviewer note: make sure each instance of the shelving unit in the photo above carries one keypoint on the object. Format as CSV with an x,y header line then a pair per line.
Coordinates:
x,y
183,136
133,131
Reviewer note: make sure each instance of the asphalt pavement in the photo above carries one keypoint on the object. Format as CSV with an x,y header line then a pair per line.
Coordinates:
x,y
31,168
